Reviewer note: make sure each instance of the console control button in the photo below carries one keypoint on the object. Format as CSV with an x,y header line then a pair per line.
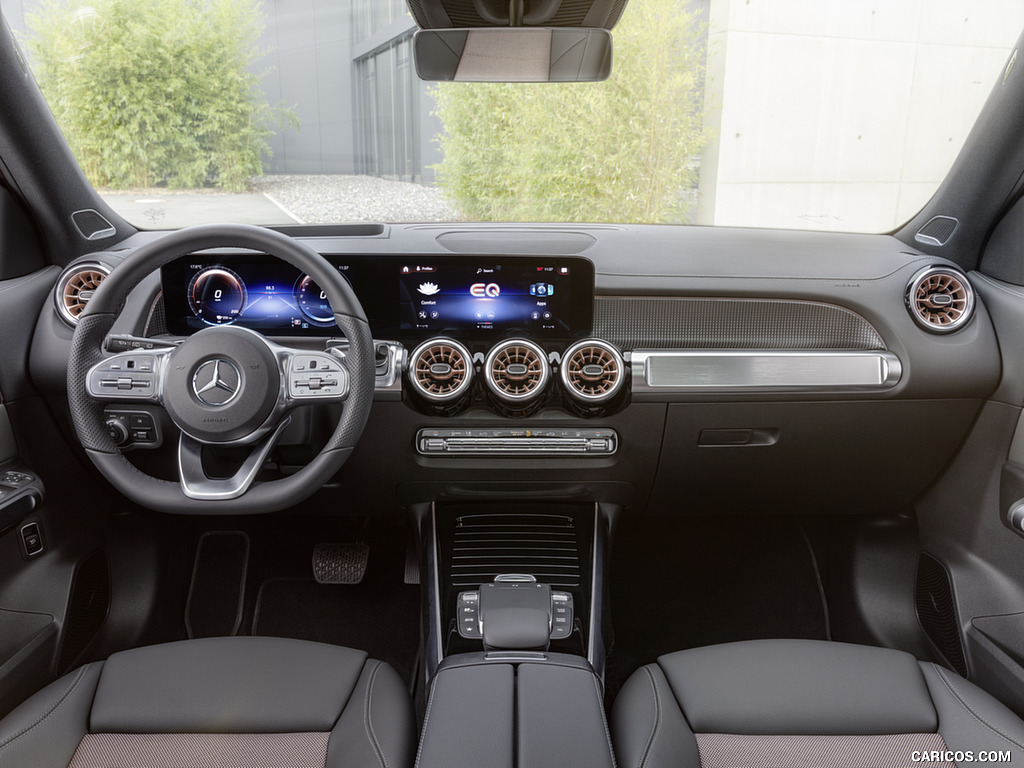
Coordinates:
x,y
561,615
468,615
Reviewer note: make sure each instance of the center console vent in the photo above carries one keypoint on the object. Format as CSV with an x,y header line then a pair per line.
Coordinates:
x,y
542,545
592,371
516,371
441,370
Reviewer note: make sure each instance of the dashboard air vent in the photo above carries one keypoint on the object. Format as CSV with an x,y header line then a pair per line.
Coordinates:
x,y
516,370
75,288
592,371
940,299
440,370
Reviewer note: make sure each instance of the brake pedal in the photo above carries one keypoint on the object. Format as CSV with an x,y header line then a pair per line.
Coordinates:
x,y
340,563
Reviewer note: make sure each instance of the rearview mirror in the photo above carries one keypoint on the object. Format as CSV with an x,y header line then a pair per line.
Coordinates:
x,y
514,55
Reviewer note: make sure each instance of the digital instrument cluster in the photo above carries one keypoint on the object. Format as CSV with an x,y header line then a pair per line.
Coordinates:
x,y
404,297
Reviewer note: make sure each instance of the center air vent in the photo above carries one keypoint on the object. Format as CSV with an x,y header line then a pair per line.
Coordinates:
x,y
592,371
516,371
940,299
75,288
441,370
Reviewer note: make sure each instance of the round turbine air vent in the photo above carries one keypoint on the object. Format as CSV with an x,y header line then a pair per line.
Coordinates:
x,y
516,370
940,299
592,371
75,288
440,370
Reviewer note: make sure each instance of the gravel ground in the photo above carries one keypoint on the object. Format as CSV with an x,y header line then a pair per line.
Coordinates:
x,y
340,198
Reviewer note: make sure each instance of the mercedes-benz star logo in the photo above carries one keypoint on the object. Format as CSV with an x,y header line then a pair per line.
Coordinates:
x,y
216,381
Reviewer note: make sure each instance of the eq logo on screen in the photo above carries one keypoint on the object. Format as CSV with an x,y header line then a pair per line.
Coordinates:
x,y
480,290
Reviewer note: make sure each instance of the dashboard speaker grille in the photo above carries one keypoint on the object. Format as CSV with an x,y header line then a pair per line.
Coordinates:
x,y
937,231
936,610
76,287
441,369
940,299
517,370
543,545
592,371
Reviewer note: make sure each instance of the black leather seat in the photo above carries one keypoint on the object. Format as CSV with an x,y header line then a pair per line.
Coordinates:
x,y
806,704
231,702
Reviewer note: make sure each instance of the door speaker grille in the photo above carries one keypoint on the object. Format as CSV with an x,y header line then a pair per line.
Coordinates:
x,y
543,545
940,299
441,369
517,370
936,610
87,609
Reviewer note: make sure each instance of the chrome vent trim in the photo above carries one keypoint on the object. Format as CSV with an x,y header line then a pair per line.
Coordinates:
x,y
440,369
75,287
940,299
592,371
516,370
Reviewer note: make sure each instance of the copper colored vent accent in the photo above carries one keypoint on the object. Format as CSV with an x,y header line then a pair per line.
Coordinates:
x,y
592,371
76,287
441,369
516,370
940,299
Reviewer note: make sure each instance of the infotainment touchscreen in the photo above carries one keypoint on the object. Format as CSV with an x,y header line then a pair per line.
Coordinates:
x,y
481,297
404,297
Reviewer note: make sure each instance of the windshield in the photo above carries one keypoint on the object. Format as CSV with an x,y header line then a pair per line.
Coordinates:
x,y
828,115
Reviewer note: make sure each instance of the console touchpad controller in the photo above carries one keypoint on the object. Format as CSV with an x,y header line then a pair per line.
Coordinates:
x,y
471,627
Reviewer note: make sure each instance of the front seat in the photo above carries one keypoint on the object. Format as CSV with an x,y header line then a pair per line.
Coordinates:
x,y
806,704
229,702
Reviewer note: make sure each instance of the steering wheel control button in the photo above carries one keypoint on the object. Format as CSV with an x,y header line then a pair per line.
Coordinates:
x,y
132,429
216,382
124,376
315,375
118,432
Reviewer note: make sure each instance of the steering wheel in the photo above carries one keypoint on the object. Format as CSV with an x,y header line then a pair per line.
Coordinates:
x,y
225,385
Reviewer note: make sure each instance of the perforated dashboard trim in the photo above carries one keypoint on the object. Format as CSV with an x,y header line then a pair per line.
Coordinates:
x,y
713,323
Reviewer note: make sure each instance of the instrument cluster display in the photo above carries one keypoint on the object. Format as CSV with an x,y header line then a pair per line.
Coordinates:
x,y
404,297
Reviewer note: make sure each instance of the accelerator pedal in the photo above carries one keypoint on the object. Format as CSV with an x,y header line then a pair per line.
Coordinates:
x,y
340,563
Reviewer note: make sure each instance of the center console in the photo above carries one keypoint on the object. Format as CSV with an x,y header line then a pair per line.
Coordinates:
x,y
514,652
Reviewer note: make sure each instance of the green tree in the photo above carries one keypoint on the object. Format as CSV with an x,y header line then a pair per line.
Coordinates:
x,y
152,92
621,150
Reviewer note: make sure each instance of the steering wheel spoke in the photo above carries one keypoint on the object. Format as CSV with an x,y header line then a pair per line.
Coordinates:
x,y
313,377
136,376
197,484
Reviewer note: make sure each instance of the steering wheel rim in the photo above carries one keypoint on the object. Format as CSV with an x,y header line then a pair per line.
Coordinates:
x,y
98,319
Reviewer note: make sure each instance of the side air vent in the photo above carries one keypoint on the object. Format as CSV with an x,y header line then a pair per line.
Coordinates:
x,y
936,610
940,299
75,288
543,545
516,371
937,231
592,371
440,370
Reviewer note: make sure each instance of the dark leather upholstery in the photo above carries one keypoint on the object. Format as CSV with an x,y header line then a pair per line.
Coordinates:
x,y
505,710
226,686
799,687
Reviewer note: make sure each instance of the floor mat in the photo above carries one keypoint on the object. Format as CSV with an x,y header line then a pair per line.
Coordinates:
x,y
379,615
216,594
684,582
